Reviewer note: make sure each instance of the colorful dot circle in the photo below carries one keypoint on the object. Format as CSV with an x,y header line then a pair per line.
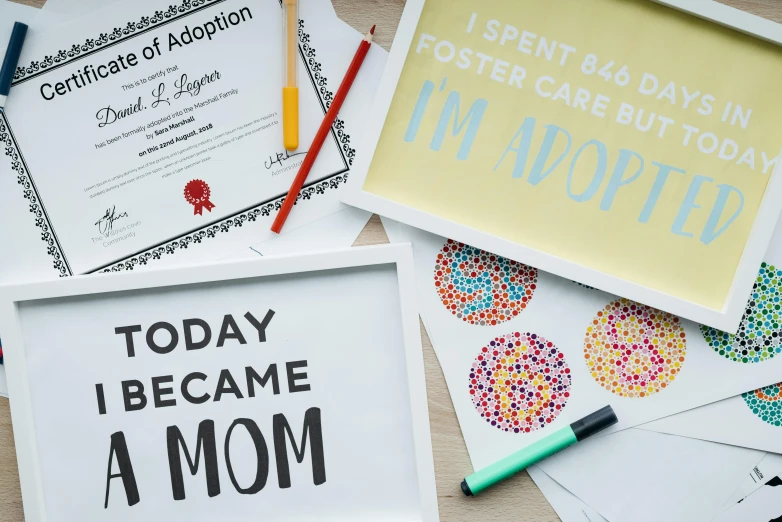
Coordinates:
x,y
482,288
633,350
520,382
759,337
766,403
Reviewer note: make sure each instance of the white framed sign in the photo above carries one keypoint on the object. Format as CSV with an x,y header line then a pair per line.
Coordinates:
x,y
288,388
617,144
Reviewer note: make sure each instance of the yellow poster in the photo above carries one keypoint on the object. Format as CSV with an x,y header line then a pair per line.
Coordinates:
x,y
620,135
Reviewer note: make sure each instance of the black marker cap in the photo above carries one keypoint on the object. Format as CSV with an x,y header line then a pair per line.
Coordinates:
x,y
466,489
593,423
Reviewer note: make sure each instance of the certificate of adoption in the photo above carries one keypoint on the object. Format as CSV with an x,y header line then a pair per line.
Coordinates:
x,y
143,131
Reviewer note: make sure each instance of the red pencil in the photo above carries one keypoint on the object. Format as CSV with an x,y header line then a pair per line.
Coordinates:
x,y
323,132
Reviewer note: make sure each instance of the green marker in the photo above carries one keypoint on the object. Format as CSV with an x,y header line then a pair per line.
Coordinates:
x,y
538,451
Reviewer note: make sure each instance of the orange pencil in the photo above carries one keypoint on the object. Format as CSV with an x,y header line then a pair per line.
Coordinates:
x,y
323,132
290,88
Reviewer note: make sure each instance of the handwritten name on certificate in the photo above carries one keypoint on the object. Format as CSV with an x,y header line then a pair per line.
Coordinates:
x,y
166,130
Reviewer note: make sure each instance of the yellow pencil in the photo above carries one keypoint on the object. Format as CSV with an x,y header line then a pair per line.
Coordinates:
x,y
290,89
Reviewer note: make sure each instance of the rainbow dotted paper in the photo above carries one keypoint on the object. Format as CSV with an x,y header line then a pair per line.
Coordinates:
x,y
758,338
481,288
766,403
519,382
633,350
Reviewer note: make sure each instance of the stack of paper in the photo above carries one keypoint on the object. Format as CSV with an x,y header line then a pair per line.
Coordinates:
x,y
639,474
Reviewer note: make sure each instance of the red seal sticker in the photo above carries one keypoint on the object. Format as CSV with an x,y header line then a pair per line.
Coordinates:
x,y
197,194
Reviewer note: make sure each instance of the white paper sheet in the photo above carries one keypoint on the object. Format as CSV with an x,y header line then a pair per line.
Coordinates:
x,y
766,469
752,420
641,476
765,505
572,509
330,233
560,312
569,507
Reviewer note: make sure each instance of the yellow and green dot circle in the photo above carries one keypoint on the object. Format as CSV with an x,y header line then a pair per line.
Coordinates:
x,y
766,403
760,334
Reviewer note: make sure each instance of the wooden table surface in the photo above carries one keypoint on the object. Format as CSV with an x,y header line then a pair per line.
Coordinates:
x,y
515,500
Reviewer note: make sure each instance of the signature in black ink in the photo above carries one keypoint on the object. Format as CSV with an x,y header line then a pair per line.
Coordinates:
x,y
106,223
107,115
280,158
158,94
193,88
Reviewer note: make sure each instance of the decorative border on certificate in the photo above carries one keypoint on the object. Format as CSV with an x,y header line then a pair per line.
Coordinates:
x,y
171,246
226,225
31,193
103,40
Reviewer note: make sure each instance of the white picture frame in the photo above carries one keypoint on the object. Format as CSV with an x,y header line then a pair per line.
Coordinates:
x,y
400,256
727,319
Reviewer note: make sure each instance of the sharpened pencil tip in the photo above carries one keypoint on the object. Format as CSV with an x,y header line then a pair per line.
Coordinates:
x,y
372,31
